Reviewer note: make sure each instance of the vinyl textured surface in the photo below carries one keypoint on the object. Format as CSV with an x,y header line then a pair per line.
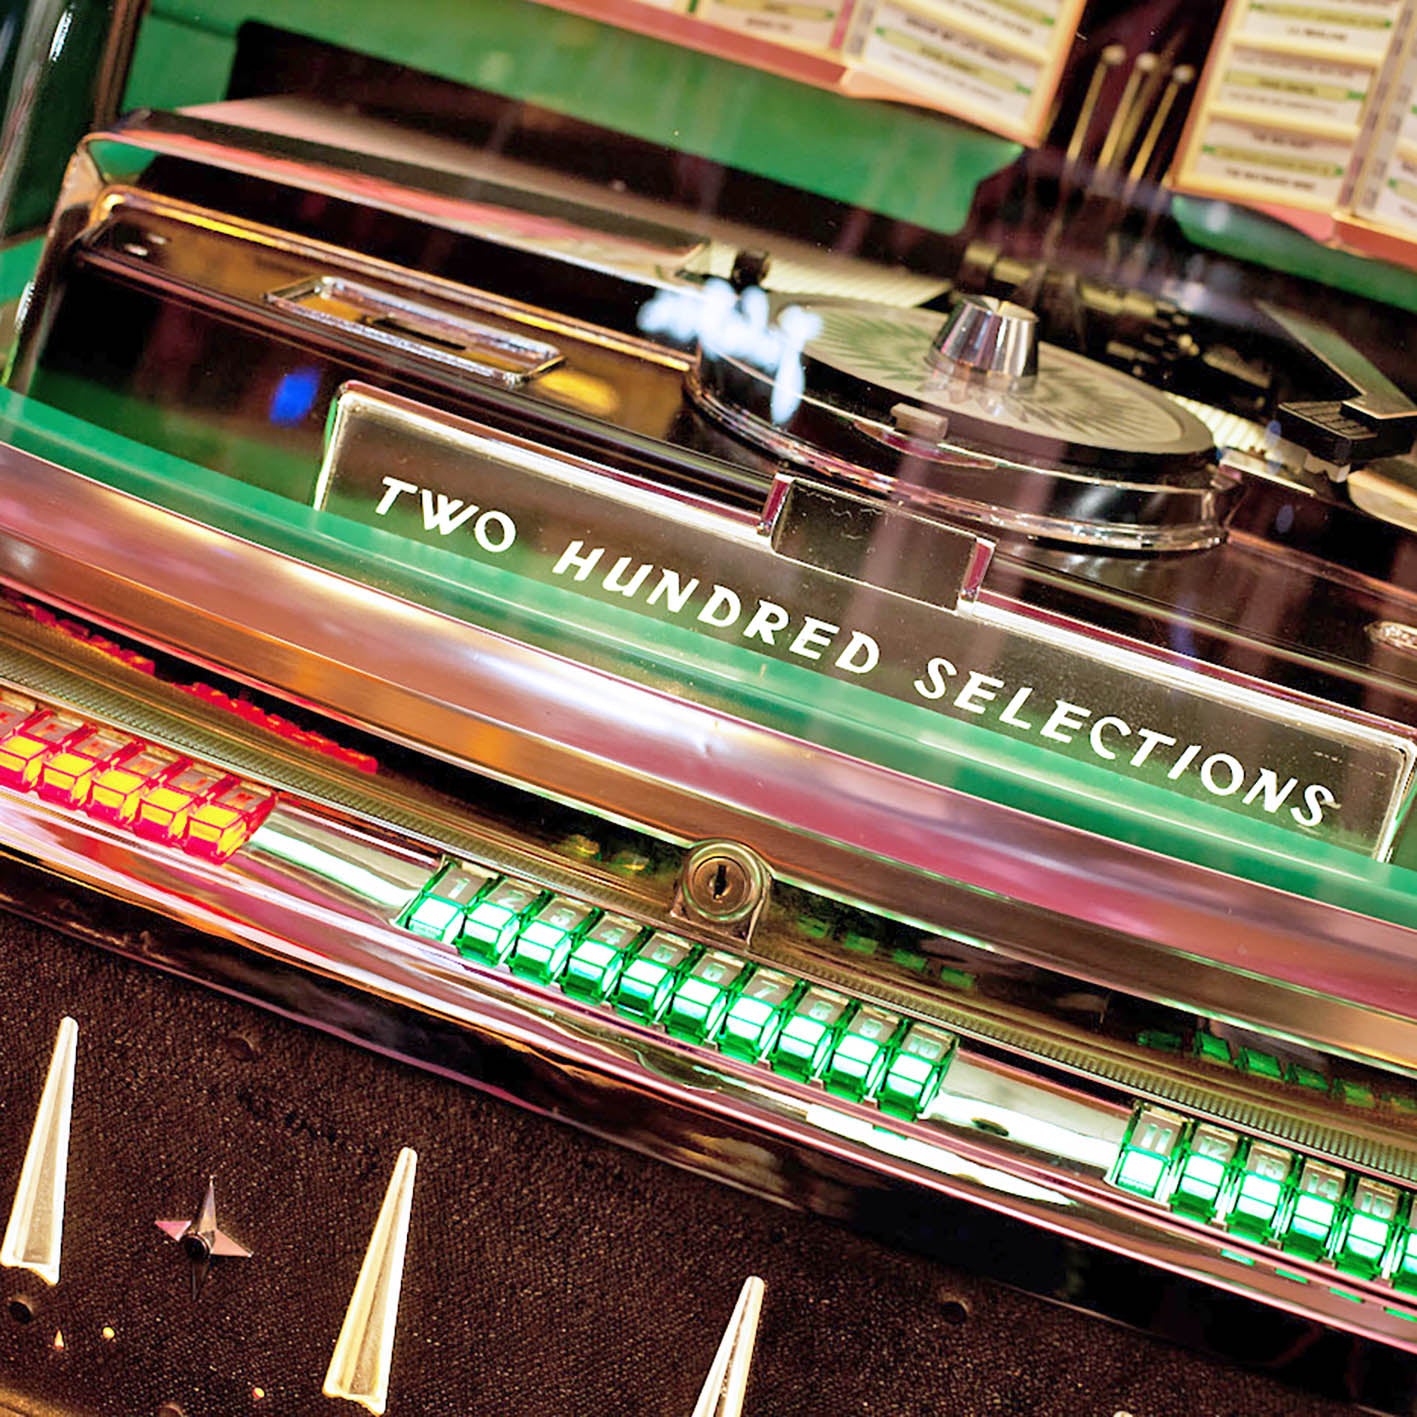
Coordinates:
x,y
548,1272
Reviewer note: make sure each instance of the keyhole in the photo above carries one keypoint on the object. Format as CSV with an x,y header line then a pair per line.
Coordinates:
x,y
718,884
720,881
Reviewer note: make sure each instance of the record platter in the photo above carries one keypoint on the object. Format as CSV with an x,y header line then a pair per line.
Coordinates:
x,y
973,416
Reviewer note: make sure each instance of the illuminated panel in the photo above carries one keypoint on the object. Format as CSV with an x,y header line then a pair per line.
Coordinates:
x,y
1313,1210
22,752
808,1033
1150,1145
67,775
596,959
916,1071
439,911
858,1062
1367,1229
700,1002
220,825
1210,1157
116,791
164,806
1258,1190
491,926
546,939
756,1015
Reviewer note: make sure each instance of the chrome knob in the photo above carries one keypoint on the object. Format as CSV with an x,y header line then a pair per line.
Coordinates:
x,y
991,337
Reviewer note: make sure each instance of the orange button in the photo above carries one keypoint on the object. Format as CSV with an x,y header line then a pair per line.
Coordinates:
x,y
163,809
67,776
117,791
218,827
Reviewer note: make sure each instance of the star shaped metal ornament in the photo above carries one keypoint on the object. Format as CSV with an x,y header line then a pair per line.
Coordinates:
x,y
202,1240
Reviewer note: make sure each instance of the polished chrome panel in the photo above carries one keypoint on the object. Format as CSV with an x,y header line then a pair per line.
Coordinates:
x,y
1042,892
551,515
294,845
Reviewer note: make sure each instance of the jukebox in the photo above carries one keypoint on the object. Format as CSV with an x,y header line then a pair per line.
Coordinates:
x,y
708,706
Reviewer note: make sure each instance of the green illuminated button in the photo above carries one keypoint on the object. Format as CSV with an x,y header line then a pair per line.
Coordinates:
x,y
1211,1048
699,1003
1313,1209
438,912
1372,1218
1262,1064
1210,1153
859,943
1301,1076
1147,1150
436,919
649,978
463,884
858,1062
490,929
1258,1190
1355,1094
808,1033
596,959
1160,1039
915,1073
751,1024
545,940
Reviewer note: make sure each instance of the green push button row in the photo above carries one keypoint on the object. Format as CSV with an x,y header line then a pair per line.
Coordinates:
x,y
492,925
595,962
702,996
1267,1194
858,1062
754,1018
546,939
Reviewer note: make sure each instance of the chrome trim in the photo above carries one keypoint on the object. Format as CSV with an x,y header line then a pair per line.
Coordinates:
x,y
117,59
544,488
1136,920
500,357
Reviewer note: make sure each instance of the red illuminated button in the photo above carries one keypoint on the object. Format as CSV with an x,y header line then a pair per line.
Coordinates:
x,y
117,790
163,807
67,775
22,753
216,827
